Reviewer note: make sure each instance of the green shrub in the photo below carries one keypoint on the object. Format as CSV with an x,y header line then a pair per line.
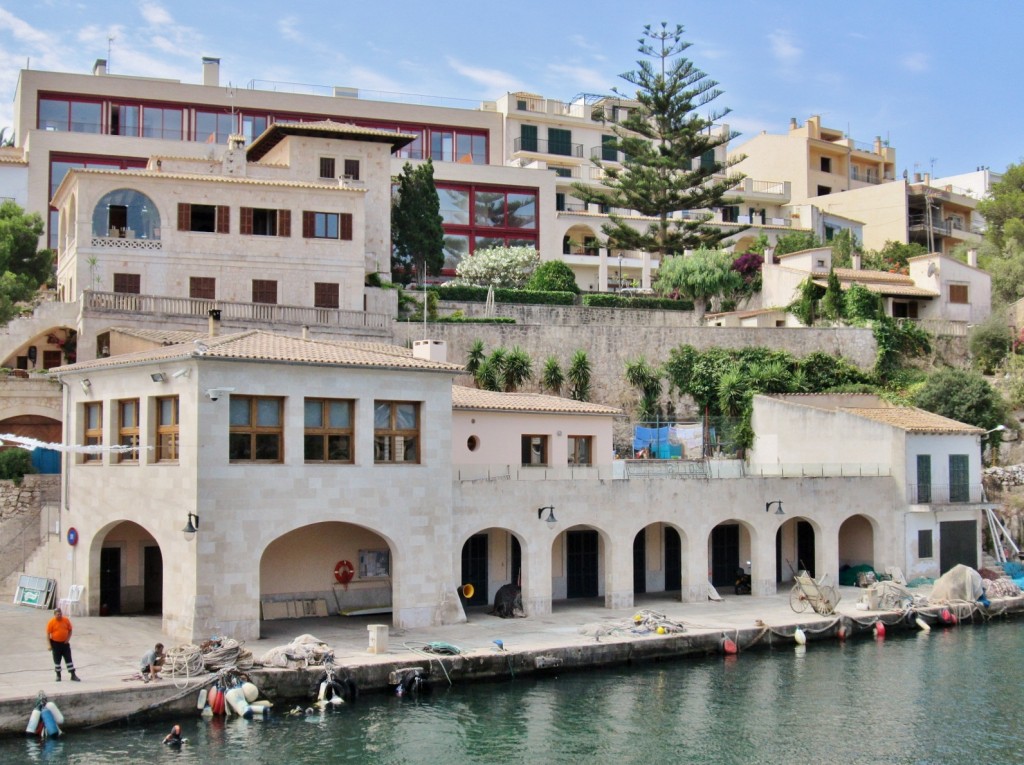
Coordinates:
x,y
15,464
553,276
610,300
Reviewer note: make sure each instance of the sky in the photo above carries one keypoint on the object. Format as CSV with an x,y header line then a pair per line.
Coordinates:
x,y
934,79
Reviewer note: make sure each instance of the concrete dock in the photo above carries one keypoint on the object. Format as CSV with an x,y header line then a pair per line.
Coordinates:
x,y
577,634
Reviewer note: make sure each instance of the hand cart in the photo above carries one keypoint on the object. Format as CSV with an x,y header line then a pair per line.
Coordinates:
x,y
822,597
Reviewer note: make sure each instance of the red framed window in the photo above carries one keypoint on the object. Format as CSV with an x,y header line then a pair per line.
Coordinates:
x,y
477,217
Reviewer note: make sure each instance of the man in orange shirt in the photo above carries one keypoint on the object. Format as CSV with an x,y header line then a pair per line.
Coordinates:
x,y
58,631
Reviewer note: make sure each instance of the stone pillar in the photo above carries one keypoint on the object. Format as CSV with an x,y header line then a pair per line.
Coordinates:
x,y
645,264
537,573
762,561
695,570
602,270
618,574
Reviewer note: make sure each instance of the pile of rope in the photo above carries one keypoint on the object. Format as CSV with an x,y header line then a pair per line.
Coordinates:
x,y
1003,587
226,653
641,623
303,651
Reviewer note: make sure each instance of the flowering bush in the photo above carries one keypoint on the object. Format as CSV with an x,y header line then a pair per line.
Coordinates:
x,y
498,266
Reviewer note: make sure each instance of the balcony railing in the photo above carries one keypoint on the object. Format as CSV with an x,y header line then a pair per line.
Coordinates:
x,y
920,223
945,494
857,174
118,302
607,155
544,146
774,188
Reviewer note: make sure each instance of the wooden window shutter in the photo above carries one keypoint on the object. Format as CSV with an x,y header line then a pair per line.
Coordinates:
x,y
245,220
284,222
223,219
345,226
184,216
307,224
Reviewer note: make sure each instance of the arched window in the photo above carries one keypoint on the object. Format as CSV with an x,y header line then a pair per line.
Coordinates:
x,y
127,214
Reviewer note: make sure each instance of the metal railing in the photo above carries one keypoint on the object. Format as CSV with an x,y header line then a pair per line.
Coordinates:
x,y
544,146
918,222
856,174
260,312
820,470
607,155
945,494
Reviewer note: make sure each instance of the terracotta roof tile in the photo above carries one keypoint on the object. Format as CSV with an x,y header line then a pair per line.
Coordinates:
x,y
912,420
474,398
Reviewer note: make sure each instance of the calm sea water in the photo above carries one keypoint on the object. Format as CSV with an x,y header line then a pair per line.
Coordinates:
x,y
951,696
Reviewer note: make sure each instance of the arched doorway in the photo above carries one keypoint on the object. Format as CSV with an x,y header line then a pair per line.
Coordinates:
x,y
130,579
326,568
729,548
856,544
795,549
658,561
490,559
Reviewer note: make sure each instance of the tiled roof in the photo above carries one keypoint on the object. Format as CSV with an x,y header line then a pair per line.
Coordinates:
x,y
474,398
912,420
745,314
161,336
865,275
883,289
258,345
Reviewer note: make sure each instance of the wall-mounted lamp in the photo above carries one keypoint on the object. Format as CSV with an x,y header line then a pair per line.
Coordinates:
x,y
768,506
86,385
994,430
183,373
158,377
551,519
191,527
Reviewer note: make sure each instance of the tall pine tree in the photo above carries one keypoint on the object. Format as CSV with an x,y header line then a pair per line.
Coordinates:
x,y
667,150
416,230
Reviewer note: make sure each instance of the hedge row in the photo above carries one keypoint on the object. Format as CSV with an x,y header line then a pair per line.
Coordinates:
x,y
619,301
471,294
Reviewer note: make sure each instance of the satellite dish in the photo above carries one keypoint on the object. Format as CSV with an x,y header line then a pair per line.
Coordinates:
x,y
932,269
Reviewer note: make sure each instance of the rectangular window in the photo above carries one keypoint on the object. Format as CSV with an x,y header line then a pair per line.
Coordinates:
x,y
252,127
534,451
212,127
264,291
826,164
924,543
823,190
324,225
560,142
161,123
326,295
528,138
352,169
560,201
128,284
167,429
202,287
257,221
124,120
608,150
958,293
52,359
328,434
730,214
580,450
256,429
959,484
470,149
924,479
92,418
62,115
707,160
327,167
442,145
396,432
210,219
128,429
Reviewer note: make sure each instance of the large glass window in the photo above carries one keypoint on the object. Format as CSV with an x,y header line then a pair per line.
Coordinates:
x,y
124,120
471,149
396,432
212,127
167,429
454,206
126,213
328,435
500,217
252,127
442,145
256,430
64,115
161,123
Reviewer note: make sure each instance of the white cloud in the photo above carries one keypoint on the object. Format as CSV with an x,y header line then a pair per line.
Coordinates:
x,y
783,47
288,27
155,15
494,80
21,30
916,62
580,78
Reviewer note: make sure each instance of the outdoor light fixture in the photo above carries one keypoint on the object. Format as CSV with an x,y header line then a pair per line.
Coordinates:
x,y
86,385
191,527
158,377
768,506
551,520
182,373
995,429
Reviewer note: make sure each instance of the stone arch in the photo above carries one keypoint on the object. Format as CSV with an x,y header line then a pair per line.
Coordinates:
x,y
580,240
659,561
857,541
296,570
126,213
581,563
490,558
799,545
125,571
731,543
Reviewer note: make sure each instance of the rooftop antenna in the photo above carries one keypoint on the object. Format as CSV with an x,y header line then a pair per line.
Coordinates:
x,y
230,90
931,165
110,44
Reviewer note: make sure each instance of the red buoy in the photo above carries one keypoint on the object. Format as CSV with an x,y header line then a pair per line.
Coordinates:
x,y
947,616
841,632
879,630
729,646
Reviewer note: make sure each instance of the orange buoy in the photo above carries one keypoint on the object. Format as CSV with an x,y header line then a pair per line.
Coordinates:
x,y
729,647
947,616
841,632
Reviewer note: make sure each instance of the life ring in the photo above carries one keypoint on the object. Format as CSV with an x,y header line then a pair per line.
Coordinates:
x,y
344,572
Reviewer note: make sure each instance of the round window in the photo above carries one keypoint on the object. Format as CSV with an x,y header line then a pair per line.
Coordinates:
x,y
472,443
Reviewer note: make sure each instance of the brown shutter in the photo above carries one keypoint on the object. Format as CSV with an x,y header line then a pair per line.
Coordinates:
x,y
307,224
245,220
284,222
345,225
223,219
184,216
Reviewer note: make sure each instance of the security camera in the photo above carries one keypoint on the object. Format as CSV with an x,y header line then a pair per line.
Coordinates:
x,y
215,393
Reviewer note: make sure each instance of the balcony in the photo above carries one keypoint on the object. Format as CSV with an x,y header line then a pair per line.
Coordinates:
x,y
864,176
603,154
777,191
538,105
921,223
945,494
122,243
119,302
544,146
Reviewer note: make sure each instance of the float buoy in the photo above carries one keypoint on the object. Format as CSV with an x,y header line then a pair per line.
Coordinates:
x,y
842,632
49,723
235,699
251,692
729,647
204,697
344,571
800,637
879,630
922,625
57,714
947,616
33,722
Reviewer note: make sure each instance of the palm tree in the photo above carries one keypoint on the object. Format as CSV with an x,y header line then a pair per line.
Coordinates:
x,y
489,374
516,369
475,357
552,378
646,379
579,376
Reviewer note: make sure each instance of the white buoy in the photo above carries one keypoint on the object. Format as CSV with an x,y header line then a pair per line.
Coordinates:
x,y
251,692
204,697
800,637
922,624
33,722
57,716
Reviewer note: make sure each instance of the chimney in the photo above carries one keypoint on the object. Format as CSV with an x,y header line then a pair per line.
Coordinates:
x,y
972,257
792,123
917,177
856,261
211,71
305,332
927,179
100,67
430,350
214,321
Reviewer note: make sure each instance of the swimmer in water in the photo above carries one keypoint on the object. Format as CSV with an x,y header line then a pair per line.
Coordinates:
x,y
174,737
